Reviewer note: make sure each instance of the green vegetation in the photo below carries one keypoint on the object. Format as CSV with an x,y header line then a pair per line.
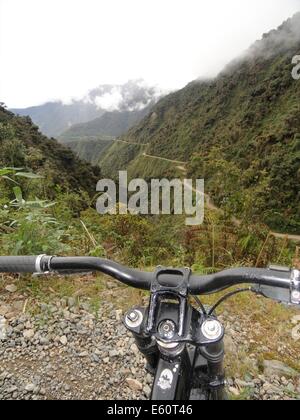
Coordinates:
x,y
39,217
110,124
240,132
34,172
89,148
146,167
91,140
23,146
118,157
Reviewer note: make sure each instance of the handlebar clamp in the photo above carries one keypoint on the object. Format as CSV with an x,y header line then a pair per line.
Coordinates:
x,y
158,291
295,287
42,265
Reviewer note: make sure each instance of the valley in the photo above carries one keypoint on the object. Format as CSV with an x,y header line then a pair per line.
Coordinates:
x,y
232,131
240,132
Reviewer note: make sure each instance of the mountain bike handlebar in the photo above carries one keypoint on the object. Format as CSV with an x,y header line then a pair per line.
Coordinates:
x,y
197,285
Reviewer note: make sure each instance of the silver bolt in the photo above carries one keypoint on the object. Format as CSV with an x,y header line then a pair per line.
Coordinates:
x,y
133,316
167,329
134,319
211,329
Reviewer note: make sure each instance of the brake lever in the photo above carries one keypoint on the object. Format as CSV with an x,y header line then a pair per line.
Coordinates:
x,y
289,296
270,292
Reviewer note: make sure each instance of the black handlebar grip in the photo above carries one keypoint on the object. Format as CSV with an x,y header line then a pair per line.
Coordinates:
x,y
18,264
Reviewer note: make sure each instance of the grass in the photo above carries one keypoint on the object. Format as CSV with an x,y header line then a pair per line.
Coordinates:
x,y
269,327
93,289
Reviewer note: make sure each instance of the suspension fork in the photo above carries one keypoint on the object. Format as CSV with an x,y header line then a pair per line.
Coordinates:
x,y
214,355
172,369
149,349
134,322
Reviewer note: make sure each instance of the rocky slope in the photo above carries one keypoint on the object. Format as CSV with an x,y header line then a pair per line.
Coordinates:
x,y
69,349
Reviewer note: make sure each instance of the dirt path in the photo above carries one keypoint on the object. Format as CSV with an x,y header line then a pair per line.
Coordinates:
x,y
182,168
210,205
131,142
294,238
177,162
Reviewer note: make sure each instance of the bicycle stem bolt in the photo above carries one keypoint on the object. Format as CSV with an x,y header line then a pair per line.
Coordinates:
x,y
167,329
133,316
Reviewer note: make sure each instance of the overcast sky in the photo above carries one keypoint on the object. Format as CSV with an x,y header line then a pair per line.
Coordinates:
x,y
51,49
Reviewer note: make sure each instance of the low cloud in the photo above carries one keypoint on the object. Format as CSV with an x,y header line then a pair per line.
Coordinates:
x,y
284,37
132,96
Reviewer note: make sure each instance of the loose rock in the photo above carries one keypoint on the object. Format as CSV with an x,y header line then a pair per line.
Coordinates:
x,y
275,367
134,384
11,288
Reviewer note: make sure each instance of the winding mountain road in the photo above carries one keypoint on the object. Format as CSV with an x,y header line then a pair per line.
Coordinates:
x,y
131,142
209,203
177,162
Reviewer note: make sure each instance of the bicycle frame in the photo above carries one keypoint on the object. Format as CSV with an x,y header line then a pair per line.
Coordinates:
x,y
182,371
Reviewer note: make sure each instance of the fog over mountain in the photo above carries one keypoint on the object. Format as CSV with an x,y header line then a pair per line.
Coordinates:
x,y
55,49
135,95
239,131
280,39
53,118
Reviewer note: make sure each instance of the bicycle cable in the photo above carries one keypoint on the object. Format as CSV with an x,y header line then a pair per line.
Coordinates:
x,y
227,296
200,304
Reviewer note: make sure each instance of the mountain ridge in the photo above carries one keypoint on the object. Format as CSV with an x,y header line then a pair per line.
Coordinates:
x,y
22,145
53,118
110,124
233,130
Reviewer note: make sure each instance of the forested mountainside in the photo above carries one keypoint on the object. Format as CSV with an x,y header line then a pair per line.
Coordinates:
x,y
23,146
90,149
239,131
90,140
111,124
53,118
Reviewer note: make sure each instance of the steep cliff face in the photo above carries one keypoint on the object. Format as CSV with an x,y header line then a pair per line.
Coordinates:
x,y
22,145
